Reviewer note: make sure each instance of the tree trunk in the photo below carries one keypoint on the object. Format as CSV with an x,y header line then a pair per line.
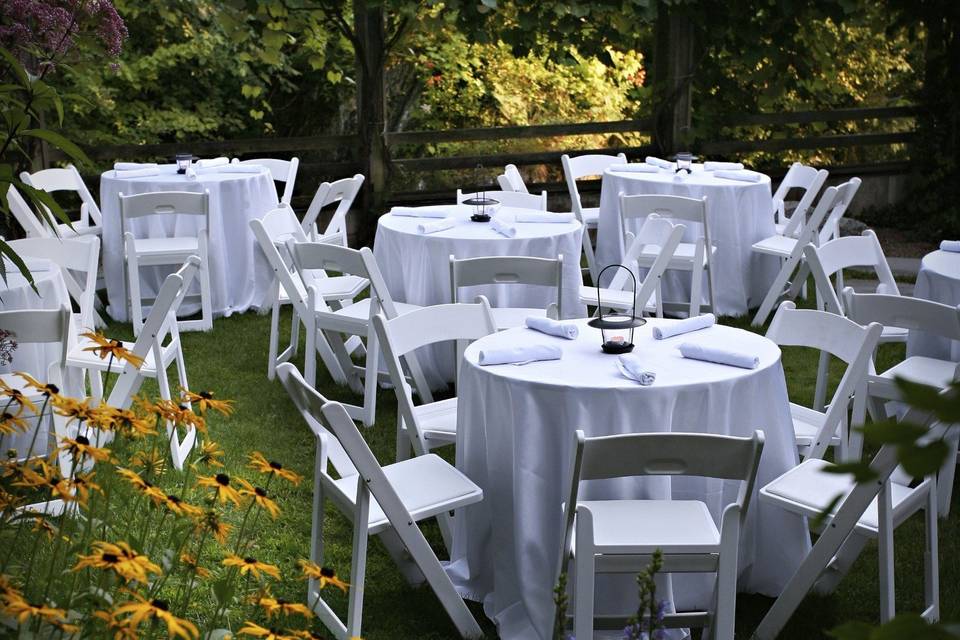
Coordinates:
x,y
672,66
371,114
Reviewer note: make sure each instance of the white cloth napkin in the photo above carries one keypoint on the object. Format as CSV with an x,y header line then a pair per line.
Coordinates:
x,y
719,355
684,326
231,168
520,355
529,215
553,327
136,173
631,367
722,166
212,162
133,166
657,162
635,167
421,212
434,226
950,245
743,175
503,227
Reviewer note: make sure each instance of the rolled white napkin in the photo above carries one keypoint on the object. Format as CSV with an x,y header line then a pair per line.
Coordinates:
x,y
133,166
950,245
553,327
420,212
231,168
434,226
631,367
191,173
136,173
529,215
212,162
722,166
657,162
684,326
743,175
518,355
719,355
503,227
635,167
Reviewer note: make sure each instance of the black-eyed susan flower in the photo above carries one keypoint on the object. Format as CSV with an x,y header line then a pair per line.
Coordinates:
x,y
105,347
178,507
143,486
141,610
220,484
204,401
152,462
17,397
215,526
307,634
127,422
256,631
51,391
120,629
259,497
11,423
42,525
209,454
272,606
190,561
324,575
46,476
252,566
81,448
78,411
83,485
21,610
272,468
121,559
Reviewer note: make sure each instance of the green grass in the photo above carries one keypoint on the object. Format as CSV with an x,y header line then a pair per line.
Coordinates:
x,y
231,361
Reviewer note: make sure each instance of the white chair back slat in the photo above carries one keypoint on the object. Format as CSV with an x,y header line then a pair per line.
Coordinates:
x,y
342,193
492,270
831,225
519,199
284,171
272,233
903,311
65,179
575,168
799,176
848,252
657,232
30,221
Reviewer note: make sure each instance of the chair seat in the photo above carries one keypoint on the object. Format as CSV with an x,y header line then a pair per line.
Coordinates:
x,y
807,423
894,334
510,317
776,246
77,357
590,216
426,485
683,256
163,246
438,420
930,371
642,526
621,299
340,287
807,490
66,231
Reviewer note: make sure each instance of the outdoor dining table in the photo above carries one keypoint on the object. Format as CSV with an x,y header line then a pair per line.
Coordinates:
x,y
416,268
515,434
239,275
937,280
740,214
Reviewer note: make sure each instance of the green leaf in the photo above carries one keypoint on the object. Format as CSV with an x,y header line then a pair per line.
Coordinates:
x,y
223,590
910,625
821,518
860,470
851,631
17,67
920,396
7,250
60,142
892,432
922,460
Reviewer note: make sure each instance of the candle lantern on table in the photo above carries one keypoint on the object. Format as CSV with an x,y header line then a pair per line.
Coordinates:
x,y
616,329
183,162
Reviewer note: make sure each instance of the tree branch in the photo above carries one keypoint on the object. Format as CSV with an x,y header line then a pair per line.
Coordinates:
x,y
401,29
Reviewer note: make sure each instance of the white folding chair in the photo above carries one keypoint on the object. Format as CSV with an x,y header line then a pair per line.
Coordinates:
x,y
582,167
799,176
620,536
68,179
815,429
351,320
172,250
509,270
28,219
511,180
385,501
342,193
789,249
518,199
284,171
272,231
911,314
657,232
78,256
159,346
695,257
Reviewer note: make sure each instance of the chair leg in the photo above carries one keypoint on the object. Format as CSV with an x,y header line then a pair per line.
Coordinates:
x,y
696,286
310,352
591,257
711,289
371,378
931,560
136,310
358,569
820,391
403,441
583,595
773,294
206,301
885,552
799,285
947,474
274,334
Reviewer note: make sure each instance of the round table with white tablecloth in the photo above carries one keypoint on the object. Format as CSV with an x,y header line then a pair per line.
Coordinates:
x,y
740,213
938,280
239,276
515,429
416,267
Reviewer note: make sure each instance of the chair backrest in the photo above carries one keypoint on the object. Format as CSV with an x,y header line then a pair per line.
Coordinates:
x,y
39,327
905,312
519,199
809,228
582,166
73,255
831,225
65,179
429,325
272,232
843,253
657,232
511,180
472,272
284,171
799,176
840,337
29,220
343,193
690,210
157,203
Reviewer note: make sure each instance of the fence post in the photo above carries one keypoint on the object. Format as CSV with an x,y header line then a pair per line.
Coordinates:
x,y
673,69
371,114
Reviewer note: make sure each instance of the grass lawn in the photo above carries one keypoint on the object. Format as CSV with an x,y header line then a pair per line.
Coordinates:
x,y
231,360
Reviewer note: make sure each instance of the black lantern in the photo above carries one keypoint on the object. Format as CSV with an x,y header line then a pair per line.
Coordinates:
x,y
617,328
684,161
483,207
183,162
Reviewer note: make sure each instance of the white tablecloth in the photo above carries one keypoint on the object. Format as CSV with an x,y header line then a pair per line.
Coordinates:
x,y
514,439
740,214
938,280
417,268
239,276
34,359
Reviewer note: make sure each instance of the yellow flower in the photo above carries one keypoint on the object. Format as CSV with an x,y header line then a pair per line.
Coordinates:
x,y
210,454
121,631
77,410
120,559
256,631
41,525
259,497
325,575
18,608
127,422
9,501
51,391
252,566
80,448
271,606
143,486
220,484
48,477
218,529
152,462
306,634
17,397
12,423
270,467
83,485
191,562
143,609
205,401
106,347
181,508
